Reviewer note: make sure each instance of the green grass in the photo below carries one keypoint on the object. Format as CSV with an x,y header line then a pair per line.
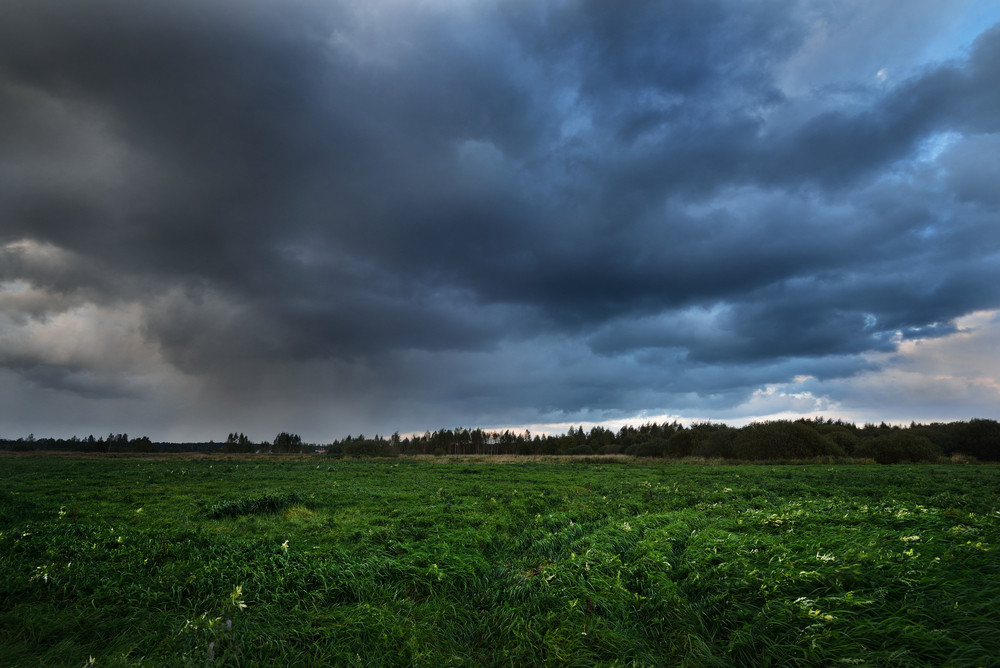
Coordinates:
x,y
254,505
460,562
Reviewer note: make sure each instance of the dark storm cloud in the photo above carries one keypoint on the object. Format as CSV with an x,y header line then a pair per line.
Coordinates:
x,y
408,188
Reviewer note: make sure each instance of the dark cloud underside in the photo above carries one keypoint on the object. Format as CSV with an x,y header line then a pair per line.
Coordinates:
x,y
390,200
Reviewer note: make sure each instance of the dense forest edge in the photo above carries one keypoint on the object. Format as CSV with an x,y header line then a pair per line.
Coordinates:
x,y
816,439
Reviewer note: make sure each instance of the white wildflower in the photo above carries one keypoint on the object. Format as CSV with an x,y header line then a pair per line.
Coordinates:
x,y
236,599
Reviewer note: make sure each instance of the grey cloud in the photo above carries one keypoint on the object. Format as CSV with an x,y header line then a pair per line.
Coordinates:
x,y
972,171
78,380
437,196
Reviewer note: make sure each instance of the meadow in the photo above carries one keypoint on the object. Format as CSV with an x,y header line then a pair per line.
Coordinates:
x,y
447,561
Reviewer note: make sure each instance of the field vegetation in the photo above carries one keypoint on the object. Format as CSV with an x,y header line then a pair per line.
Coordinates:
x,y
452,561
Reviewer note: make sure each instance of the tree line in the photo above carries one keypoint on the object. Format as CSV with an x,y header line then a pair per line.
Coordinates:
x,y
776,440
112,443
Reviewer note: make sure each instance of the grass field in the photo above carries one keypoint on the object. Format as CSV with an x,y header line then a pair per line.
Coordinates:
x,y
437,562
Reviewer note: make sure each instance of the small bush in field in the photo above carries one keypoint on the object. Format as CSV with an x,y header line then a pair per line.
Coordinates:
x,y
257,505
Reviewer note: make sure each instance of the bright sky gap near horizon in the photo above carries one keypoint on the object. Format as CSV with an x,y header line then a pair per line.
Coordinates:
x,y
333,217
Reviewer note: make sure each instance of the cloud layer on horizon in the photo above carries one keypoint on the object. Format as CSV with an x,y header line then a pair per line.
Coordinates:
x,y
333,217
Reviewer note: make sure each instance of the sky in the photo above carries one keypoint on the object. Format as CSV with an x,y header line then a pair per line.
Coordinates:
x,y
338,217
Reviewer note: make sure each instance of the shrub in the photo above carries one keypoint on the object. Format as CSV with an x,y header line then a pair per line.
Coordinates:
x,y
782,439
257,505
844,439
369,448
654,448
896,447
680,444
713,441
980,439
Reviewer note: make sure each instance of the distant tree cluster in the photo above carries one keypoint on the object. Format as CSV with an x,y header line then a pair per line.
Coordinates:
x,y
287,443
112,443
238,443
777,440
